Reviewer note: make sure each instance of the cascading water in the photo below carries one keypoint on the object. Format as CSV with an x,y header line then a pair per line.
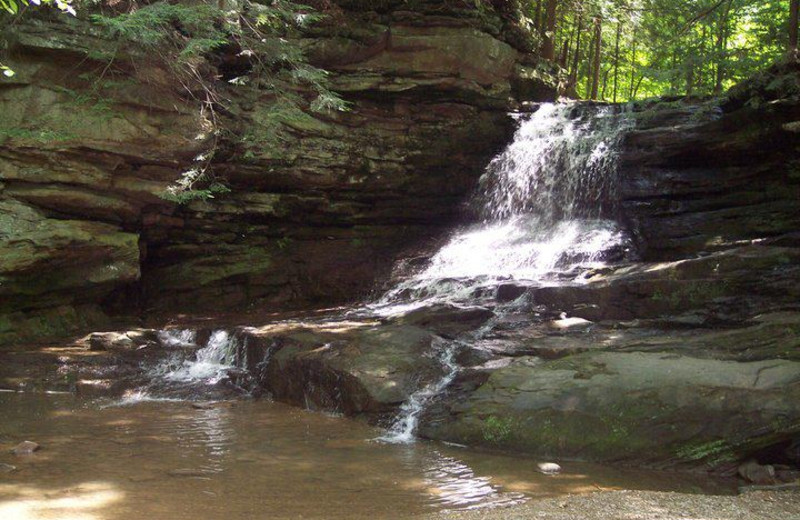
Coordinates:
x,y
548,205
403,428
187,372
211,362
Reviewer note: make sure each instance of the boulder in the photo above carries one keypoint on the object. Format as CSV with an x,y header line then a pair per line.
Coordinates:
x,y
355,369
640,408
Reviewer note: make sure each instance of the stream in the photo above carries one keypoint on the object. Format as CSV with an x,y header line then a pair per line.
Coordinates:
x,y
546,216
260,459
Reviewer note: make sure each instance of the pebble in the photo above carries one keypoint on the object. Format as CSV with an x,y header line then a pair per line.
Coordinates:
x,y
548,468
25,448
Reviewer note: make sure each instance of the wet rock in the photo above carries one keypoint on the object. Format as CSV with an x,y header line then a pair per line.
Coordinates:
x,y
349,368
723,287
612,406
447,320
757,473
92,259
548,468
25,448
508,292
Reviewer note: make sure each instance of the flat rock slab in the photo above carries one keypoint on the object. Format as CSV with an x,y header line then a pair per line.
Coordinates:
x,y
660,409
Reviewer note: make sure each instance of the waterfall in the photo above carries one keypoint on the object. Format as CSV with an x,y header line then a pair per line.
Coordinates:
x,y
548,207
404,426
560,166
211,363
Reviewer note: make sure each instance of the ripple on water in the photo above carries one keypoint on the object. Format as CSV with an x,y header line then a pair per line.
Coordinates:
x,y
240,460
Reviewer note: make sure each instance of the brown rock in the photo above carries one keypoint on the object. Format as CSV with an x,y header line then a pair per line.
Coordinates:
x,y
25,448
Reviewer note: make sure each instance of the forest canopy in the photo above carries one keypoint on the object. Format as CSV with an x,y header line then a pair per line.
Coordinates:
x,y
618,50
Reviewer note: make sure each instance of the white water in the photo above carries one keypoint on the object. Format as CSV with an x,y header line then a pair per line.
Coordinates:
x,y
548,202
174,338
404,427
209,365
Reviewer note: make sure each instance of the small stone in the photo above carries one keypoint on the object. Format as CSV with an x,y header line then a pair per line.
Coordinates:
x,y
757,473
548,468
7,468
203,406
25,448
570,324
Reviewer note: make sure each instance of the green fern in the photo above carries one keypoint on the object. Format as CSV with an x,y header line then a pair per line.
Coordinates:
x,y
184,35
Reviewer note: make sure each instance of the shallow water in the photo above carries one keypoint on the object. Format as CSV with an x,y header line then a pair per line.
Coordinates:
x,y
258,459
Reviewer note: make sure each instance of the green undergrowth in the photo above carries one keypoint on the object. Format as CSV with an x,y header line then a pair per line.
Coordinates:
x,y
192,40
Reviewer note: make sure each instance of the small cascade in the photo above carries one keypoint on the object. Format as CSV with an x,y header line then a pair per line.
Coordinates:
x,y
178,338
189,372
211,363
548,206
405,425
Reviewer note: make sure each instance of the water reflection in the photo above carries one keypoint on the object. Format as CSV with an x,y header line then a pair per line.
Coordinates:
x,y
243,460
454,486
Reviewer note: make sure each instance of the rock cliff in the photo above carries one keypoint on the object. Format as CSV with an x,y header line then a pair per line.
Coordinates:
x,y
88,143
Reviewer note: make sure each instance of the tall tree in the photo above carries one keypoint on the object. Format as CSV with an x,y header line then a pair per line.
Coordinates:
x,y
598,38
616,58
794,7
548,41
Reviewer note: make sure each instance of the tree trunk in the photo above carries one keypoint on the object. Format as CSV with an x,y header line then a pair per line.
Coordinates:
x,y
573,75
722,47
548,42
598,36
616,59
633,63
537,17
794,7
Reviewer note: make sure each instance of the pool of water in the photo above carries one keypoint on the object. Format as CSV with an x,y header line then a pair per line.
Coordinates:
x,y
259,459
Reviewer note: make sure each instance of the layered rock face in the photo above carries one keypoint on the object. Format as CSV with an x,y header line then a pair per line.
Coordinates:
x,y
701,178
89,144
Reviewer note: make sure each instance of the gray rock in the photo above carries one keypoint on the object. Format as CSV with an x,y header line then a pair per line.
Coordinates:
x,y
614,406
548,468
757,473
25,448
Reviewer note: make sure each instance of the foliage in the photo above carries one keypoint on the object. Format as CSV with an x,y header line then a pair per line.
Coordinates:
x,y
663,47
188,38
15,7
